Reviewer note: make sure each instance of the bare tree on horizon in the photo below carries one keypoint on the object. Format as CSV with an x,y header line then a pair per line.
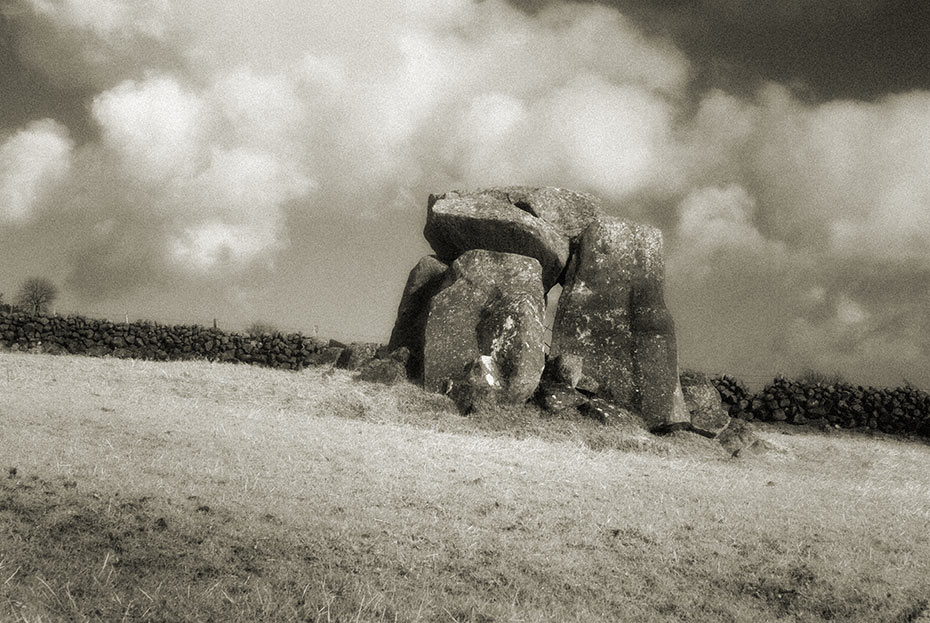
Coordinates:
x,y
36,294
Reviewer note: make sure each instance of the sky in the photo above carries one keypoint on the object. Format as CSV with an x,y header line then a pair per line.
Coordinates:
x,y
271,160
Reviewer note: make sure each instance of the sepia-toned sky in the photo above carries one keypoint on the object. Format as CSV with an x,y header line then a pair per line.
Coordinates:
x,y
244,161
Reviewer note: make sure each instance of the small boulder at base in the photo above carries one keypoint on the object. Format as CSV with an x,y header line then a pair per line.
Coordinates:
x,y
423,282
326,356
612,313
479,387
385,371
458,222
708,417
605,412
492,305
558,399
739,439
357,354
565,369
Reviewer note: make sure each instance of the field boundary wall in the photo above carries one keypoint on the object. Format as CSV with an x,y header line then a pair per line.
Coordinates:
x,y
80,335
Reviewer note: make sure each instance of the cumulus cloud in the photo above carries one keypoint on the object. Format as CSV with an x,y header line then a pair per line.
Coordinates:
x,y
32,162
155,129
89,44
822,199
224,132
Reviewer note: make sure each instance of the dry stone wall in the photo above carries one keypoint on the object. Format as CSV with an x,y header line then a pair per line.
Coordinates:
x,y
900,410
149,340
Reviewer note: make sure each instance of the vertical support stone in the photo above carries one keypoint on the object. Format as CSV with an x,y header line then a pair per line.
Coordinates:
x,y
613,314
492,305
423,282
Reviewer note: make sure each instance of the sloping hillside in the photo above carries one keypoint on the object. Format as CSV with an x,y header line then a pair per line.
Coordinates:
x,y
197,491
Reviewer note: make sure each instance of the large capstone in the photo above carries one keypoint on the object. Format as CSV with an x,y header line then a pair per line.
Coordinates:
x,y
492,305
423,283
458,222
570,211
612,313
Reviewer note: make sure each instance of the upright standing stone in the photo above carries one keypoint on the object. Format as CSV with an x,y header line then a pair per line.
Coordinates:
x,y
655,355
612,313
492,305
423,283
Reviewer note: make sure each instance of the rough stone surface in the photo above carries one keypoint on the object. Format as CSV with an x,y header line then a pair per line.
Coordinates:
x,y
566,369
612,313
605,412
559,399
571,212
328,356
480,386
708,417
386,371
457,222
357,354
492,305
739,439
423,282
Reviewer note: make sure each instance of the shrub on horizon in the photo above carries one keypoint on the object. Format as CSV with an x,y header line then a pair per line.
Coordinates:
x,y
258,328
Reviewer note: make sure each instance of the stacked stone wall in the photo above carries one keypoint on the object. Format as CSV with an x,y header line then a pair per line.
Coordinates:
x,y
899,410
79,335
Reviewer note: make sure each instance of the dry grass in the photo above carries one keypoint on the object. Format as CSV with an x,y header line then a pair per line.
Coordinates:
x,y
196,491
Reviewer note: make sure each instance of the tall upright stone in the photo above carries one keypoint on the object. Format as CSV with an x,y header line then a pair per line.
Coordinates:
x,y
612,313
423,282
492,304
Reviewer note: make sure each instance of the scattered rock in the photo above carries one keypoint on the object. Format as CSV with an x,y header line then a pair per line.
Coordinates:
x,y
384,371
356,355
566,369
401,355
423,282
326,357
739,439
587,386
558,399
605,412
479,388
492,305
708,417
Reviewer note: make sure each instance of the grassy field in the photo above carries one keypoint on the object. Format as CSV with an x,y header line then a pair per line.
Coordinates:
x,y
192,491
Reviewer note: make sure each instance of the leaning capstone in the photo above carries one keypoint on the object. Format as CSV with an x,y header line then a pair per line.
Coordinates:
x,y
612,313
458,222
492,305
423,283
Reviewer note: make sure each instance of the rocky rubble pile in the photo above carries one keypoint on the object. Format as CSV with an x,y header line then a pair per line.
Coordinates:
x,y
150,340
901,410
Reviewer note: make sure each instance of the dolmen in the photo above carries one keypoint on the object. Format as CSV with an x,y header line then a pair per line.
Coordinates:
x,y
472,315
